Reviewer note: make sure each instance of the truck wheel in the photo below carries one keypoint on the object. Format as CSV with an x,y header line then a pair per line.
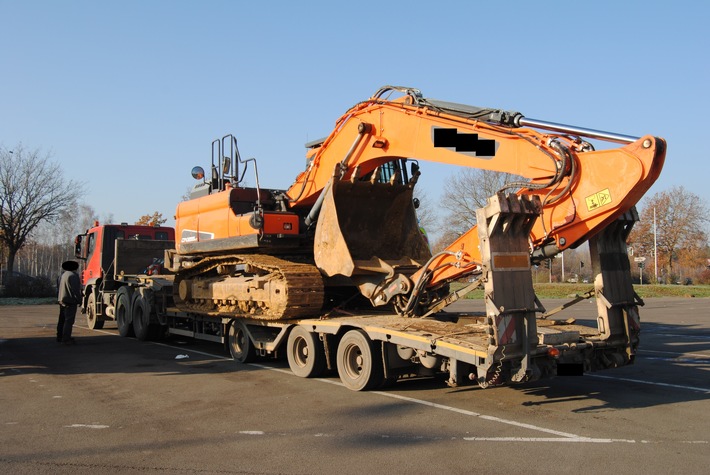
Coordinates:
x,y
305,353
140,310
359,362
92,321
240,345
123,311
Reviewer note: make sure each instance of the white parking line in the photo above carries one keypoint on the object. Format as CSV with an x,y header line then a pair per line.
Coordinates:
x,y
564,436
652,383
465,412
681,336
678,353
549,439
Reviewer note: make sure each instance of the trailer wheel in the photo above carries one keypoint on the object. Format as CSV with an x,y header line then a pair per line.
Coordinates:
x,y
92,321
359,362
123,311
240,345
140,310
305,353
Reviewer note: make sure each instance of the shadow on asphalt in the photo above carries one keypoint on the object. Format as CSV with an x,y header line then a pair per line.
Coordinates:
x,y
659,376
662,376
105,354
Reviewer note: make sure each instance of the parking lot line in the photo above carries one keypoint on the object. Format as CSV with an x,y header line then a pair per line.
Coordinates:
x,y
653,383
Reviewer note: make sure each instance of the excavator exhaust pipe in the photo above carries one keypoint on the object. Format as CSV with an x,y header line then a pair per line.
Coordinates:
x,y
368,229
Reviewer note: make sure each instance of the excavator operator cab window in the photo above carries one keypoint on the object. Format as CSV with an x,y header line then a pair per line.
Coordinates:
x,y
387,171
397,168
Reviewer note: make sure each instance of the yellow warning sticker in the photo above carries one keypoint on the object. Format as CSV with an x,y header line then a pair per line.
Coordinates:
x,y
597,200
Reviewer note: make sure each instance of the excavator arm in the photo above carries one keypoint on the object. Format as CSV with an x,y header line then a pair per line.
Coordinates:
x,y
366,228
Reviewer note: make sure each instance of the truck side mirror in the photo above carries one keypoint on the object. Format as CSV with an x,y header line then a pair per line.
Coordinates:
x,y
77,247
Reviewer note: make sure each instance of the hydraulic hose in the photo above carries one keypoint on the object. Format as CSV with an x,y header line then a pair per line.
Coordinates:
x,y
421,283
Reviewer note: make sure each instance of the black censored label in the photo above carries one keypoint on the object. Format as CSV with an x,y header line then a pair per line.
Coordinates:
x,y
465,143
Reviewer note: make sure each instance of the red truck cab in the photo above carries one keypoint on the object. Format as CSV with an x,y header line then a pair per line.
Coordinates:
x,y
97,247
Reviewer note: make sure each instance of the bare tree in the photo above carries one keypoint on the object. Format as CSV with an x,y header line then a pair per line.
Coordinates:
x,y
84,219
466,191
33,190
186,196
680,219
52,243
426,214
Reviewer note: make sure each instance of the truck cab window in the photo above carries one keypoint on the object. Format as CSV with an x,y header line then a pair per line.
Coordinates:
x,y
91,243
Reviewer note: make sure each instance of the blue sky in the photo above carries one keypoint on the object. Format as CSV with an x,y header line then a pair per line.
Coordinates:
x,y
128,95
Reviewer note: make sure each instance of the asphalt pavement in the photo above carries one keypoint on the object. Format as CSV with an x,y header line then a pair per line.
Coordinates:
x,y
117,405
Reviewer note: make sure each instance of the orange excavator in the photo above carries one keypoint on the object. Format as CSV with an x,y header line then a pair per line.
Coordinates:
x,y
346,231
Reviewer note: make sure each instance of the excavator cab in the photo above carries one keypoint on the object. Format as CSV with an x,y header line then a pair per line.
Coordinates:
x,y
367,229
223,215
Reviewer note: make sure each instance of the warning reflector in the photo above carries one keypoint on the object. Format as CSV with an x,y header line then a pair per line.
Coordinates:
x,y
511,261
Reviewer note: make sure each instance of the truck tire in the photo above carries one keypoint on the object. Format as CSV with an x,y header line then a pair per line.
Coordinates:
x,y
305,353
140,311
240,345
359,362
92,321
123,311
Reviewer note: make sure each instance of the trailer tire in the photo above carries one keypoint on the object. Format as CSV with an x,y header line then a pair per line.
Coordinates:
x,y
140,310
123,311
92,321
240,345
359,362
305,353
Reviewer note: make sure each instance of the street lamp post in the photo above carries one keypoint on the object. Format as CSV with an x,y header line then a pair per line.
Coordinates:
x,y
655,253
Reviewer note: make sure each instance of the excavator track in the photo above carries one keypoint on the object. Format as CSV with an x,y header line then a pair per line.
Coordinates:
x,y
251,286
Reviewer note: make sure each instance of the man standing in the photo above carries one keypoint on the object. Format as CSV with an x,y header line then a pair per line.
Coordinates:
x,y
69,298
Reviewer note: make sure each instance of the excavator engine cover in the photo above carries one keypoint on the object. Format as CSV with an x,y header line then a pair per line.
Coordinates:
x,y
368,228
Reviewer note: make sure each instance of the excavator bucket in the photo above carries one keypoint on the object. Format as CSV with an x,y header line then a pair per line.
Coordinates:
x,y
368,228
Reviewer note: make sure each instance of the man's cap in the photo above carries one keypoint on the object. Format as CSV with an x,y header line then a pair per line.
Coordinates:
x,y
70,265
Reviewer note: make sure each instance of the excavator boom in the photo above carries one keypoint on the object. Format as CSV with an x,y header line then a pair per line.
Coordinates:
x,y
582,190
